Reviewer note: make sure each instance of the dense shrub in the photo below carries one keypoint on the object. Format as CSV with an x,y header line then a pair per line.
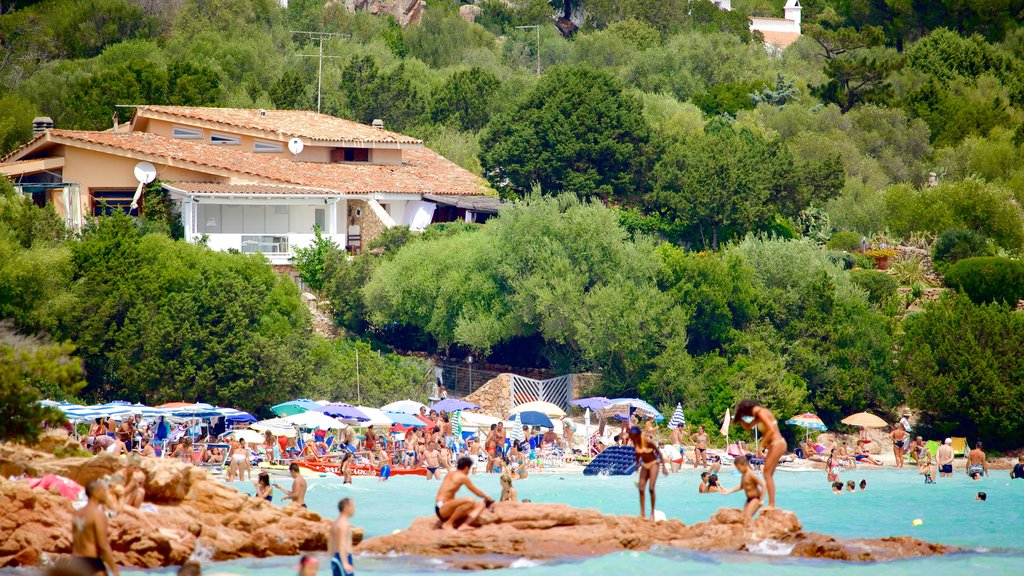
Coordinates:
x,y
846,241
988,279
956,244
881,287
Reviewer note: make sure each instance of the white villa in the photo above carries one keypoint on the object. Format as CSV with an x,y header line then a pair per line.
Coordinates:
x,y
778,32
252,180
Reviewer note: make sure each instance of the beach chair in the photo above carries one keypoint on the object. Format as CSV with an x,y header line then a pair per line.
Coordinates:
x,y
933,448
959,446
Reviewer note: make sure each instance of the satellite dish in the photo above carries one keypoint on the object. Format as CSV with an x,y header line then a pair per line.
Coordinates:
x,y
145,172
295,146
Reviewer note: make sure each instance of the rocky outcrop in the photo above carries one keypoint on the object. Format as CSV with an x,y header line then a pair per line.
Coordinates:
x,y
545,531
494,397
470,12
185,510
405,11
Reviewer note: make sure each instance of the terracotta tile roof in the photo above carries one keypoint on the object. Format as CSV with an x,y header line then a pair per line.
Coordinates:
x,y
780,40
250,189
288,123
422,170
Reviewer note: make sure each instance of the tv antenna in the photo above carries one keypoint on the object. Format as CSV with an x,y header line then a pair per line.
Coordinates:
x,y
319,37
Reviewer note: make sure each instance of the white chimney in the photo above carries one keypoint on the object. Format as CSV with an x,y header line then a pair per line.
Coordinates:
x,y
792,11
41,124
377,123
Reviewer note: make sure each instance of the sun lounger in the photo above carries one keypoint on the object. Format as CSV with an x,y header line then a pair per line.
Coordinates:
x,y
959,446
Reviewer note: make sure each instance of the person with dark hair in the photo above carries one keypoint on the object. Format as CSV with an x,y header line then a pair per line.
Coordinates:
x,y
750,414
191,568
264,491
339,540
309,565
700,447
837,488
648,456
703,482
981,497
863,485
1018,468
977,463
90,544
751,484
459,512
298,492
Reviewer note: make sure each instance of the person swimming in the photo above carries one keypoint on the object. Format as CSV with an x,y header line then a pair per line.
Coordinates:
x,y
751,414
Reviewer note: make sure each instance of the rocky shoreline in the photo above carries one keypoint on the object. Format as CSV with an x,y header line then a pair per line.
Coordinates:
x,y
185,509
548,531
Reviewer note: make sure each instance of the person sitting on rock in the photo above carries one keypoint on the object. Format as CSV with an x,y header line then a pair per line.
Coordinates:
x,y
453,512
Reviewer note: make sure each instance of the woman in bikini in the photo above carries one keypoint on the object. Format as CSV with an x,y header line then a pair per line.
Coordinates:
x,y
700,447
649,457
750,414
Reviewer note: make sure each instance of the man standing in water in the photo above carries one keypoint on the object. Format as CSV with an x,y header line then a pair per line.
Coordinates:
x,y
459,512
899,440
89,542
676,439
945,459
339,540
976,461
298,492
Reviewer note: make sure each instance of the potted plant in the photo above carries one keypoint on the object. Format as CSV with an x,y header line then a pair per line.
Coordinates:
x,y
881,257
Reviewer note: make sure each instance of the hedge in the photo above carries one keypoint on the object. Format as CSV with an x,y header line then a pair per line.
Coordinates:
x,y
880,286
988,279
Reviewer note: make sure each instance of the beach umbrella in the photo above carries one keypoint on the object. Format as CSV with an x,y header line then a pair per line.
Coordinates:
x,y
406,420
79,413
344,412
376,416
404,406
456,421
677,417
515,432
808,422
249,435
726,421
232,415
148,411
276,426
453,405
530,418
864,419
629,406
175,405
542,407
198,410
315,420
293,407
594,403
477,421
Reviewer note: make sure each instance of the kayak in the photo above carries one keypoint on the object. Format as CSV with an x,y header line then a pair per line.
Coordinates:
x,y
359,469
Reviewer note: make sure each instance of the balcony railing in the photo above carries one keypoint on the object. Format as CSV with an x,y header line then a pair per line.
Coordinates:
x,y
265,244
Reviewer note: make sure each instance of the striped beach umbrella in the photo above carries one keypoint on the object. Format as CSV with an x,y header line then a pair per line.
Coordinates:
x,y
516,432
456,420
677,417
808,421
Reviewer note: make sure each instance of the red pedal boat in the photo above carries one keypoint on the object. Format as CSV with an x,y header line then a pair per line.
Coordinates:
x,y
325,467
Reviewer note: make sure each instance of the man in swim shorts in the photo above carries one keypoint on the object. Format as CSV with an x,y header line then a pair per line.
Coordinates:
x,y
432,461
977,463
90,545
339,540
298,492
944,456
1018,469
676,439
455,512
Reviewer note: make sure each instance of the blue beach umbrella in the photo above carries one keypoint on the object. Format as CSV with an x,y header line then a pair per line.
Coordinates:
x,y
531,418
344,412
677,417
231,415
593,403
453,405
404,419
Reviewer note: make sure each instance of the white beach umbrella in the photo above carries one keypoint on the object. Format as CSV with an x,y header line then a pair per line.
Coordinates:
x,y
404,406
316,420
249,435
376,416
276,426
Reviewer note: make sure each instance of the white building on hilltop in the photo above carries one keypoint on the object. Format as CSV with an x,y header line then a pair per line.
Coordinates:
x,y
777,32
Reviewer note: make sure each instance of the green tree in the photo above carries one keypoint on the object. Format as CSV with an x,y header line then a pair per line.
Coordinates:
x,y
289,92
16,115
465,100
576,131
90,103
959,364
856,67
388,96
31,370
311,260
192,85
721,179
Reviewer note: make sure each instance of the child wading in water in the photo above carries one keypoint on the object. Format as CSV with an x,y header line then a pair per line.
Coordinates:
x,y
750,414
751,484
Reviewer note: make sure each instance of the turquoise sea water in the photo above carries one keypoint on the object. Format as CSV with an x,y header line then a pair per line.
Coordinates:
x,y
950,514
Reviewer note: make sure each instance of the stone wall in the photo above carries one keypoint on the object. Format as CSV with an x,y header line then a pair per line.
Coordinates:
x,y
494,397
370,226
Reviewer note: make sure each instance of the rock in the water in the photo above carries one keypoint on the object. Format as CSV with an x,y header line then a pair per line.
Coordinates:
x,y
189,509
546,531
